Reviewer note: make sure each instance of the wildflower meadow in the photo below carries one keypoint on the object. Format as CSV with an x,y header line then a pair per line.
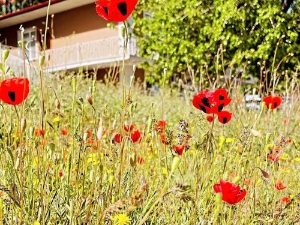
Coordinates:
x,y
81,151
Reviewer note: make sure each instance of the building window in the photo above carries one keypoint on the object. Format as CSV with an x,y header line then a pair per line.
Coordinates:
x,y
30,43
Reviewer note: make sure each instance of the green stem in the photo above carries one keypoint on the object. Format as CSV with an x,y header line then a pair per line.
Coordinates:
x,y
144,219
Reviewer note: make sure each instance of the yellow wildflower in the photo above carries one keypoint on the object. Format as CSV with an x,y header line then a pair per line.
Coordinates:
x,y
121,219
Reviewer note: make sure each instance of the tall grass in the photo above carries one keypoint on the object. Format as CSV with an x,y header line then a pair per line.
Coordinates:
x,y
70,176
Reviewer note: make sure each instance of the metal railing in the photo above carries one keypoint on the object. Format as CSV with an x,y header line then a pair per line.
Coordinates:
x,y
88,53
99,52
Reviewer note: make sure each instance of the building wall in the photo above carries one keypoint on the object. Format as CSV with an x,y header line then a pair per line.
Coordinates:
x,y
80,25
70,27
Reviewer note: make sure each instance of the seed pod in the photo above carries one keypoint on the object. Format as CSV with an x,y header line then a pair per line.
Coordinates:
x,y
74,84
100,130
88,97
85,136
31,131
5,54
23,125
41,61
80,100
237,179
57,104
218,198
175,163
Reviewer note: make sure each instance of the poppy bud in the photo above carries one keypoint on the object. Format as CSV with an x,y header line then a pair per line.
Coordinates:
x,y
268,135
132,160
111,179
175,163
100,130
218,198
74,83
5,54
41,61
80,99
21,44
31,131
52,146
237,179
1,209
57,104
23,124
88,97
264,173
85,136
90,90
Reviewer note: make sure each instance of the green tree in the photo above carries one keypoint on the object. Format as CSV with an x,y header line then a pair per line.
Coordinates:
x,y
211,35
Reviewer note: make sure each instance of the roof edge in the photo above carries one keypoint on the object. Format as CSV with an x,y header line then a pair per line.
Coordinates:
x,y
29,9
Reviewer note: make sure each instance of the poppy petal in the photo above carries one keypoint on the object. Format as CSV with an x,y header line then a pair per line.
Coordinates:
x,y
14,91
272,102
217,188
224,117
115,10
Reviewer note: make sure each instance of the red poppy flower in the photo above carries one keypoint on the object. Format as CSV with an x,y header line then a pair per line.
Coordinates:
x,y
115,10
179,149
210,118
274,156
14,91
211,102
224,116
118,138
279,186
272,102
91,141
231,193
160,126
164,139
135,136
64,132
89,133
140,160
221,96
60,174
128,128
39,132
286,200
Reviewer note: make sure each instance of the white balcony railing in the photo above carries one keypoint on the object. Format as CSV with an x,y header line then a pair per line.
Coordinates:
x,y
97,52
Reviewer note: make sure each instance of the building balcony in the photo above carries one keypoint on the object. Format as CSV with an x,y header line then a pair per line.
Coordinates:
x,y
100,53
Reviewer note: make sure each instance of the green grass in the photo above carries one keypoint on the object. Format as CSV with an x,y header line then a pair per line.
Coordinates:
x,y
102,179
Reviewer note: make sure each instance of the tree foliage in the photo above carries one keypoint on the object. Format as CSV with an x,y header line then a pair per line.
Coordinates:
x,y
212,35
